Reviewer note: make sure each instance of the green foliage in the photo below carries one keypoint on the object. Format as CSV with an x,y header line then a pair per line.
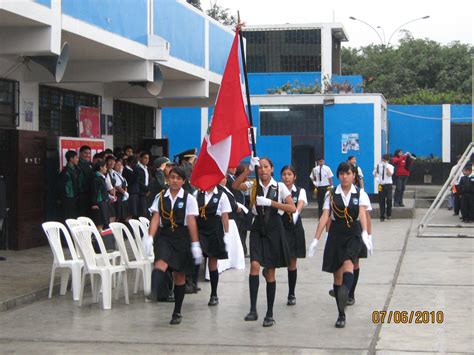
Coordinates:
x,y
221,14
195,3
296,88
418,71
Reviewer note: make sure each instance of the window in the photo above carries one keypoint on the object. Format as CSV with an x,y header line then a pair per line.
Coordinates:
x,y
8,103
301,120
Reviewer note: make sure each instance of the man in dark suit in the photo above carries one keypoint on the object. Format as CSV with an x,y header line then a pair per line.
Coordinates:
x,y
141,170
132,182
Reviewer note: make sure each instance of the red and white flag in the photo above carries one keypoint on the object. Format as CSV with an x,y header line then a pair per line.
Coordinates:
x,y
226,142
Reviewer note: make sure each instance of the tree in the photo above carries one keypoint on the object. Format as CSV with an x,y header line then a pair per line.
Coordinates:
x,y
195,3
418,70
221,14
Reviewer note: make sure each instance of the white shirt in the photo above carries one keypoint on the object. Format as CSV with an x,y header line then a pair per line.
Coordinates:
x,y
457,178
224,203
363,198
326,174
119,179
147,176
191,204
359,172
283,193
108,182
302,196
381,171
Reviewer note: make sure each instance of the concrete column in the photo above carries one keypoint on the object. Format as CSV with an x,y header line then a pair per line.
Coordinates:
x,y
158,125
326,54
446,134
204,121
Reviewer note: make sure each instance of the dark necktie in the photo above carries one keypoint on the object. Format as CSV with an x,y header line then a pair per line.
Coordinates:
x,y
383,173
320,174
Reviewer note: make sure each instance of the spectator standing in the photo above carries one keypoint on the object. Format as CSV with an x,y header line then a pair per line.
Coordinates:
x,y
399,161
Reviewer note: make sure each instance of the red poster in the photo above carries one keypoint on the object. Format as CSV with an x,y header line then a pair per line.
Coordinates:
x,y
89,122
70,143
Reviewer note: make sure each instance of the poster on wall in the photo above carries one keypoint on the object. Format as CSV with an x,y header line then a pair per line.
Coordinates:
x,y
89,122
72,143
350,141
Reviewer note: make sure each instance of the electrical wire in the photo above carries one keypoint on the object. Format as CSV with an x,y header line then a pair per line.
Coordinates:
x,y
430,118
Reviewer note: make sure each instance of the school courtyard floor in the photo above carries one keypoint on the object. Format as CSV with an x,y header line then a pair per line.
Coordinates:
x,y
405,273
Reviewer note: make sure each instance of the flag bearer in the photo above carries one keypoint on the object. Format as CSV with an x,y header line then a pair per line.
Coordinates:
x,y
268,245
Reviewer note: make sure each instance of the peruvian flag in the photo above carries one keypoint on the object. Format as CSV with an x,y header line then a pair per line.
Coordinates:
x,y
226,142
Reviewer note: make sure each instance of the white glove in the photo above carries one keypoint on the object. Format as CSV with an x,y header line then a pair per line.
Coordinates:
x,y
312,248
365,239
197,252
295,217
371,251
147,243
112,198
263,201
227,241
125,196
254,161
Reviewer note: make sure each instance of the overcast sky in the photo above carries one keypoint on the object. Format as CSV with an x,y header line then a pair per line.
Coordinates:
x,y
450,20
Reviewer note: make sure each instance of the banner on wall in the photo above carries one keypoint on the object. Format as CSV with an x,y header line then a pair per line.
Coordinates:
x,y
72,143
349,141
89,122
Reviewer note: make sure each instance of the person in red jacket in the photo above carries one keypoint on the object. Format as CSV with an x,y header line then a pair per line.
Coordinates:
x,y
402,173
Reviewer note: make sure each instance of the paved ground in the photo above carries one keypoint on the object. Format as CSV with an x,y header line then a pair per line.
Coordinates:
x,y
404,274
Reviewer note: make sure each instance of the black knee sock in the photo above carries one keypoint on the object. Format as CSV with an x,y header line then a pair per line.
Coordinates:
x,y
354,283
336,291
271,288
157,278
196,274
178,297
214,275
292,274
348,280
253,287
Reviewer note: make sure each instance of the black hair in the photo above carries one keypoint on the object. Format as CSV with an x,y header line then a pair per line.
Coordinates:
x,y
108,151
178,171
70,154
132,160
350,157
269,161
127,147
109,158
117,151
240,169
84,147
344,167
395,154
468,167
386,157
99,164
290,168
120,156
142,154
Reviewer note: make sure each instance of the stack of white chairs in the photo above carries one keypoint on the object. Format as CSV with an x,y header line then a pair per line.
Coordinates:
x,y
71,266
98,264
141,264
140,231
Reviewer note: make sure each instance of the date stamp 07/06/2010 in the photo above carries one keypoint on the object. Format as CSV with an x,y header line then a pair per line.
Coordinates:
x,y
408,317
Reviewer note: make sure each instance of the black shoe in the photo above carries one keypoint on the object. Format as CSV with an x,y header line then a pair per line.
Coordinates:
x,y
291,300
213,301
331,293
402,205
247,256
396,205
170,298
455,214
176,318
341,322
382,219
251,316
389,218
268,321
188,289
342,296
350,301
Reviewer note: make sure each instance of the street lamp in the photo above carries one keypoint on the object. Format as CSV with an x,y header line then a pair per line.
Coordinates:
x,y
383,33
377,32
406,23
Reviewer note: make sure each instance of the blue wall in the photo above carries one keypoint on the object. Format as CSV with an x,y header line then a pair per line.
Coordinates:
x,y
461,113
220,42
127,18
419,136
183,28
260,82
350,118
182,126
44,2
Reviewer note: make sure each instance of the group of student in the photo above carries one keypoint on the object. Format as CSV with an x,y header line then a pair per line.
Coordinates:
x,y
462,188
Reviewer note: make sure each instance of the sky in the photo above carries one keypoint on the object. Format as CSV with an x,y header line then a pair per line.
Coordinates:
x,y
449,20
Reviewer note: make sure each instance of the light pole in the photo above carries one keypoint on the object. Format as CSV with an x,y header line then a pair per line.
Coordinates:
x,y
377,32
406,23
383,33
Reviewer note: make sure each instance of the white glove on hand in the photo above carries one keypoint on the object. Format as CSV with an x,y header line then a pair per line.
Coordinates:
x,y
263,201
197,252
125,196
254,161
295,217
312,248
147,243
365,239
371,251
227,241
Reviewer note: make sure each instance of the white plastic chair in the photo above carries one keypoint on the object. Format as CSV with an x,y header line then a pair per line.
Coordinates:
x,y
140,231
145,221
71,266
82,235
140,264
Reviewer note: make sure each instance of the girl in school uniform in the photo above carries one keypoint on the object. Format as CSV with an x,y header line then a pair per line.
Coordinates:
x,y
174,235
100,196
213,226
294,231
110,181
268,244
121,212
346,207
